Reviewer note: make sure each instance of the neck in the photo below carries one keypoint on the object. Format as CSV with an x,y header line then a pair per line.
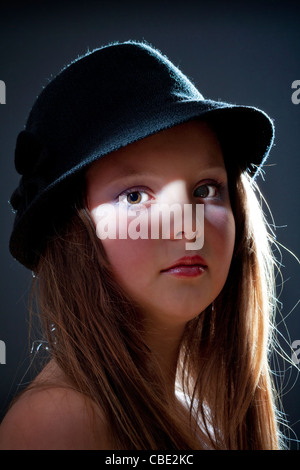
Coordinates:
x,y
164,343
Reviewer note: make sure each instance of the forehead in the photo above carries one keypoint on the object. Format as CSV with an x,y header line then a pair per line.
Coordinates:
x,y
187,147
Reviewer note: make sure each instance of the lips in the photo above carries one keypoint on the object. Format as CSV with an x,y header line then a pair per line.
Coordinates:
x,y
188,266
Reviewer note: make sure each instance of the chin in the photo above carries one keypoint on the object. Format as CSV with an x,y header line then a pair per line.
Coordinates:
x,y
183,315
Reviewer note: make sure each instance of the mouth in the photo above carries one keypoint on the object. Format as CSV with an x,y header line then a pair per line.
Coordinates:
x,y
188,266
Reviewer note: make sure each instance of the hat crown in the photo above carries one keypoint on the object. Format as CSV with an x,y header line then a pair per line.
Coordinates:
x,y
117,74
96,96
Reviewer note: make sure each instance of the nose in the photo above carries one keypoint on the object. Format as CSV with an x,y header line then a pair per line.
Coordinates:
x,y
185,218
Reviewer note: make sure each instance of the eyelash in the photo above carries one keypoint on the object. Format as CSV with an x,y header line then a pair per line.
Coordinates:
x,y
137,189
216,184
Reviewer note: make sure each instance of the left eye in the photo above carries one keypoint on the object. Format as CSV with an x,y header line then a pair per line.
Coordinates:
x,y
206,190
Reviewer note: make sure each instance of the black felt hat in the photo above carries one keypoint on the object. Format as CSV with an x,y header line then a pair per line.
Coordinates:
x,y
105,100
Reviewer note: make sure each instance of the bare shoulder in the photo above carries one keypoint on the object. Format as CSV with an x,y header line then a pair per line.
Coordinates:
x,y
56,417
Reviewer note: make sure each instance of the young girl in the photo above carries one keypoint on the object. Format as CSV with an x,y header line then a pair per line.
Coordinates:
x,y
156,342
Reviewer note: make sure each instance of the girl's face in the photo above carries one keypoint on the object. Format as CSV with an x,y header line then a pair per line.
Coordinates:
x,y
181,165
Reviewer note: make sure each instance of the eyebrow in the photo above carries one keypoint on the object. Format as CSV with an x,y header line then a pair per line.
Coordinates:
x,y
131,173
219,169
128,172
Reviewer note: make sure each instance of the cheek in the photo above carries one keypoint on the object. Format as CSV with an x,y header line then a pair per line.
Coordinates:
x,y
131,260
129,255
219,231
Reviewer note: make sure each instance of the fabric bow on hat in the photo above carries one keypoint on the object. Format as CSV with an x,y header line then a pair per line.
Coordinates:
x,y
27,157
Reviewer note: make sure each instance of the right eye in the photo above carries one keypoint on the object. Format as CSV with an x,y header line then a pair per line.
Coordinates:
x,y
134,196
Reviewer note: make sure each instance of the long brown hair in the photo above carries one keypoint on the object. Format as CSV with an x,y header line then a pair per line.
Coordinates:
x,y
96,336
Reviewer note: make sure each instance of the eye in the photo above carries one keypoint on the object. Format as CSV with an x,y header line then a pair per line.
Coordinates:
x,y
134,197
206,190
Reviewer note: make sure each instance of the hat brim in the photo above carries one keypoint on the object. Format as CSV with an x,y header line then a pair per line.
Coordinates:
x,y
246,133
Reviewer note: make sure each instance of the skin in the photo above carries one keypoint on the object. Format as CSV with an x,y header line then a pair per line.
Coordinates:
x,y
53,416
169,166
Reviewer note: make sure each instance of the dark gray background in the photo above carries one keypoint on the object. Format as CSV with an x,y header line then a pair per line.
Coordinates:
x,y
246,53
